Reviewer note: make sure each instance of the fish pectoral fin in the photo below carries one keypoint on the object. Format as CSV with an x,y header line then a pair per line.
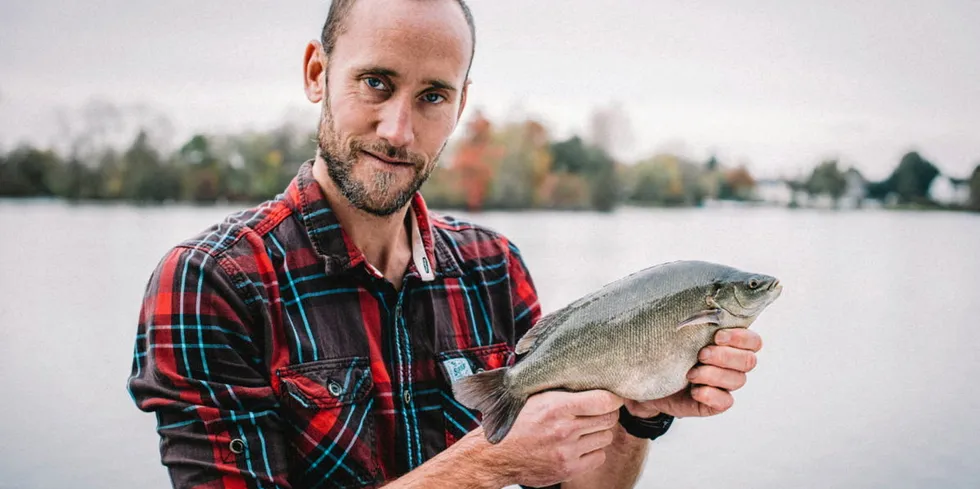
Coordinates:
x,y
524,345
703,318
540,331
532,337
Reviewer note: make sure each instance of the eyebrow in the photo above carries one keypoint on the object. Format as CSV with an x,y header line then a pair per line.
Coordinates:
x,y
441,84
433,82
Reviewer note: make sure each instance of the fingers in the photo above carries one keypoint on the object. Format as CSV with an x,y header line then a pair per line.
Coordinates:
x,y
593,424
594,441
593,403
741,338
643,409
722,378
714,399
728,357
591,461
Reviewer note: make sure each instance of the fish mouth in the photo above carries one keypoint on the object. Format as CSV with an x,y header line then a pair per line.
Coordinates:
x,y
775,290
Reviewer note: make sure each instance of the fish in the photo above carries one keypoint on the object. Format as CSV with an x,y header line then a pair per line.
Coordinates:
x,y
636,337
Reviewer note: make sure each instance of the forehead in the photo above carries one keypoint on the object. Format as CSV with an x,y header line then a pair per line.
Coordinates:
x,y
408,36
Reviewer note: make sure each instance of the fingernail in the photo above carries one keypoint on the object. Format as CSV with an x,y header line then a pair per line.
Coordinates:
x,y
723,337
705,354
691,374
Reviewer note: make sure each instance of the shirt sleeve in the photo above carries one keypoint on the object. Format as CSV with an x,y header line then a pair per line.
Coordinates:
x,y
527,309
197,365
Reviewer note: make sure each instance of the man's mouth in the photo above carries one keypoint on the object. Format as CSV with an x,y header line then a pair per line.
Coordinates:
x,y
387,160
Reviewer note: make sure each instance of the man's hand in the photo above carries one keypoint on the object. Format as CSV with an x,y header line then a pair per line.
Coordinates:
x,y
557,436
721,370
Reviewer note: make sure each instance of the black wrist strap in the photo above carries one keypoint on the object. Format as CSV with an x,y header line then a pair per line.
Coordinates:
x,y
649,428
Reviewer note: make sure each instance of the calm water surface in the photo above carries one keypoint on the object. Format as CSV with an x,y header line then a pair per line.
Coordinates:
x,y
868,377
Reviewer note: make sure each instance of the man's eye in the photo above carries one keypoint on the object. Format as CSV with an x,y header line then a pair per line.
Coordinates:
x,y
433,98
375,83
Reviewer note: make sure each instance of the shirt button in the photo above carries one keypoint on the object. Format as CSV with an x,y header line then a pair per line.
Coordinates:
x,y
335,389
237,446
407,396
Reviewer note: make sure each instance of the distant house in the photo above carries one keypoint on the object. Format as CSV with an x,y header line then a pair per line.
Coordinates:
x,y
950,191
773,191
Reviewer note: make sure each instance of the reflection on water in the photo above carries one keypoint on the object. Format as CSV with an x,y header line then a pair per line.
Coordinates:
x,y
865,381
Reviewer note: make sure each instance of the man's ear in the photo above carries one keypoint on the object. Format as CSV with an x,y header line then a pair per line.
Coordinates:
x,y
314,72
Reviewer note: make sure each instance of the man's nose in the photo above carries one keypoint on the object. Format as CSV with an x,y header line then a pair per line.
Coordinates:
x,y
395,125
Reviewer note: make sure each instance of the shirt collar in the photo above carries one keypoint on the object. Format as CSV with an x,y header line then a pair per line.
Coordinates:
x,y
339,252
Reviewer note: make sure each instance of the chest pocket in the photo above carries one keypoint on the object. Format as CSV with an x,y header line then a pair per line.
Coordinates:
x,y
329,406
456,364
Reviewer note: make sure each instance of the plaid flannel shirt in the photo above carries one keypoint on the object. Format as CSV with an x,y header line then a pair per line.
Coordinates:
x,y
274,355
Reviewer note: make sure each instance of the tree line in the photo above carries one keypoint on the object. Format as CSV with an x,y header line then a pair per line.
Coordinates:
x,y
515,165
243,167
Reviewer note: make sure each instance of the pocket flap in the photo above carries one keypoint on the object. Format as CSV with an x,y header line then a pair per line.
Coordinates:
x,y
327,383
456,364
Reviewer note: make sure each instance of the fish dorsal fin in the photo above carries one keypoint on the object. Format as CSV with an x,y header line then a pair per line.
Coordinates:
x,y
541,330
704,318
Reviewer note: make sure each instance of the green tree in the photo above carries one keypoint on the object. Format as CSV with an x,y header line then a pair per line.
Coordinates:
x,y
913,177
909,182
78,182
605,189
523,166
667,180
575,157
110,173
261,162
145,176
30,172
442,190
827,179
711,164
975,189
204,175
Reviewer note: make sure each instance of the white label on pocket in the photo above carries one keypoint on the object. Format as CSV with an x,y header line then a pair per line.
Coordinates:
x,y
457,368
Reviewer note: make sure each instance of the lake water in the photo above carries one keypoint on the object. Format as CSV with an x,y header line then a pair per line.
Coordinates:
x,y
868,378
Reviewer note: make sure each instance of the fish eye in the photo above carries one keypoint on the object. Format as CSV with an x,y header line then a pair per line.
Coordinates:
x,y
754,283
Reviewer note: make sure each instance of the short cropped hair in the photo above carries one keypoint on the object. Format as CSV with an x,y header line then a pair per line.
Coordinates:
x,y
340,10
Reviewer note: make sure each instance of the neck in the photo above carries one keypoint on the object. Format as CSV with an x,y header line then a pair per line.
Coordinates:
x,y
385,241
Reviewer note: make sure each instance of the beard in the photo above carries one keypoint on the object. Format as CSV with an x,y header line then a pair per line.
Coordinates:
x,y
380,193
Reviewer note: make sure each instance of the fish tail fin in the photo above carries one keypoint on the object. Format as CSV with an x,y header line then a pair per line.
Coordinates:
x,y
488,393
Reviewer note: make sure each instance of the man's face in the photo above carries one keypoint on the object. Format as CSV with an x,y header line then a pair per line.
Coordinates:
x,y
395,87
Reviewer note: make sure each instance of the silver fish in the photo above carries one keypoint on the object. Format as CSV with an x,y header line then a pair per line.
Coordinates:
x,y
636,337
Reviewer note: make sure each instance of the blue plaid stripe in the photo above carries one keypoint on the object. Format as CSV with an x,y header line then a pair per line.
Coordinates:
x,y
279,286
298,302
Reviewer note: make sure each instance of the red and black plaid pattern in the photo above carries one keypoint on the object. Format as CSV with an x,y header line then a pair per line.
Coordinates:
x,y
275,356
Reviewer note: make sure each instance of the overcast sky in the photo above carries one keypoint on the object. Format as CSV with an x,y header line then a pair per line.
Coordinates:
x,y
776,84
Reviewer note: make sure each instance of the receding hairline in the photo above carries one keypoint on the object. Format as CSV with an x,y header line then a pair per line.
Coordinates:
x,y
336,24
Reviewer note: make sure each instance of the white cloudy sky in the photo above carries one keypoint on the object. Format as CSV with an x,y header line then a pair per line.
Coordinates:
x,y
776,84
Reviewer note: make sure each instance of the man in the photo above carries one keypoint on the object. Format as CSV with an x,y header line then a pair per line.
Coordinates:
x,y
312,341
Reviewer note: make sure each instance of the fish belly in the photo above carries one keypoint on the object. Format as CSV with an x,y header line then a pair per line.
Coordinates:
x,y
639,365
